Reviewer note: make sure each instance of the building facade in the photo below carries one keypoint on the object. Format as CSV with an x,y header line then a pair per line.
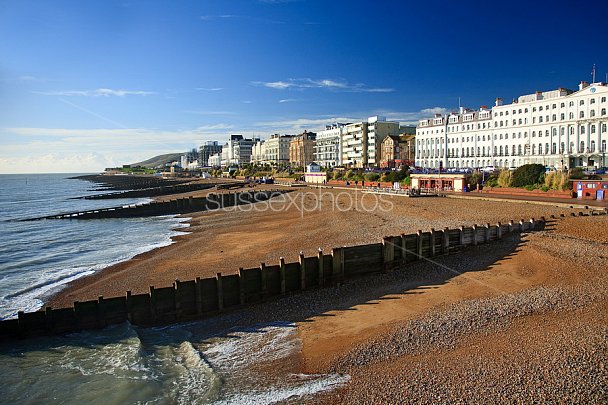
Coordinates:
x,y
277,148
397,151
207,149
328,151
559,128
361,141
258,152
237,150
189,160
302,149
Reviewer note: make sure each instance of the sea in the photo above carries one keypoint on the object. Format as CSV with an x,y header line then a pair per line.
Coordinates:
x,y
195,363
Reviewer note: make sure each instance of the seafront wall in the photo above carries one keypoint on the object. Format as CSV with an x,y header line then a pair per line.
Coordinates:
x,y
205,297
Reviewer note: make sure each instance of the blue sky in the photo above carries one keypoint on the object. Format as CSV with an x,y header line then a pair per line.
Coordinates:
x,y
89,84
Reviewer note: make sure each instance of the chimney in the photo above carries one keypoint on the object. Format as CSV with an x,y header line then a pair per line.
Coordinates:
x,y
498,102
583,84
539,95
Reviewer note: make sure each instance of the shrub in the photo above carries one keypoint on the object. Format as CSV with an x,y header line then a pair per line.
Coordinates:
x,y
372,176
528,175
504,178
577,173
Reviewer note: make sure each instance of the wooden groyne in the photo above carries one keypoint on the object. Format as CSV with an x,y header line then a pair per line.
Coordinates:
x,y
150,192
128,182
171,207
201,298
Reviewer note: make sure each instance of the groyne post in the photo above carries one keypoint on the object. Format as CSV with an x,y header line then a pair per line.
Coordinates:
x,y
302,271
321,276
220,291
241,286
263,280
282,274
445,245
199,297
419,244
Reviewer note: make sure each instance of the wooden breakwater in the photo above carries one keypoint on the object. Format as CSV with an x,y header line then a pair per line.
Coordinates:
x,y
204,297
170,207
128,182
150,192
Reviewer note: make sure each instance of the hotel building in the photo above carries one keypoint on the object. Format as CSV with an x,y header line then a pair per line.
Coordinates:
x,y
328,152
361,141
558,128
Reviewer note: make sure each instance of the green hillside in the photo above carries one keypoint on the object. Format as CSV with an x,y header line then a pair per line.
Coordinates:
x,y
159,161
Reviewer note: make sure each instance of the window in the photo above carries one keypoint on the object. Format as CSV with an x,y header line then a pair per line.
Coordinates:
x,y
582,129
603,111
592,101
562,105
540,108
540,119
554,148
533,134
593,129
592,146
554,117
562,116
582,102
571,104
554,106
533,109
581,147
546,149
571,115
540,148
603,99
581,114
592,113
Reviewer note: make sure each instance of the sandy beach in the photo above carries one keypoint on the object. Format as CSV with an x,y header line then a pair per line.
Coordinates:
x,y
508,320
304,220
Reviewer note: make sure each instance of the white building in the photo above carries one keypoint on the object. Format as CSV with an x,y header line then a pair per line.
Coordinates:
x,y
258,152
277,148
556,128
328,151
361,141
215,160
237,150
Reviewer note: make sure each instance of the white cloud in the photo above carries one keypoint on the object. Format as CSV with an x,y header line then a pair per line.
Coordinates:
x,y
101,92
66,150
209,89
434,110
328,84
287,100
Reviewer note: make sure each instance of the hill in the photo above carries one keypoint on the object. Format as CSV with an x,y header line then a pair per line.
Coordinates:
x,y
159,161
